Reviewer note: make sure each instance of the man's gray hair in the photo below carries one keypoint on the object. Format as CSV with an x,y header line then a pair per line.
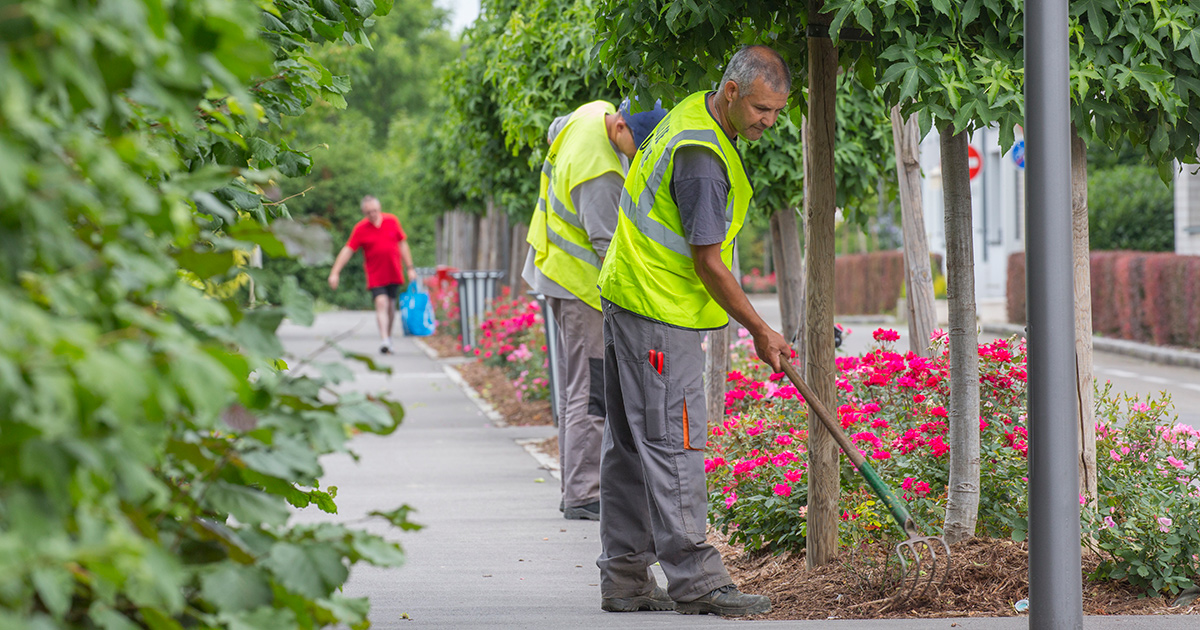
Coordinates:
x,y
368,199
752,62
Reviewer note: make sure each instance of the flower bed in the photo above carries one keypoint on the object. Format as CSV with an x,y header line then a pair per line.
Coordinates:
x,y
893,407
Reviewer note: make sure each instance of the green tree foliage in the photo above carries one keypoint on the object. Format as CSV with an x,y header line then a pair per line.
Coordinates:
x,y
152,443
544,69
1129,208
670,49
373,145
1135,67
524,63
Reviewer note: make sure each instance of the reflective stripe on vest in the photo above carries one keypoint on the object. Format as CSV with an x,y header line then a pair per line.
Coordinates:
x,y
649,269
579,153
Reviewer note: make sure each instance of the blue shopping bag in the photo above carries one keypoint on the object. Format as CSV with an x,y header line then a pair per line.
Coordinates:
x,y
416,312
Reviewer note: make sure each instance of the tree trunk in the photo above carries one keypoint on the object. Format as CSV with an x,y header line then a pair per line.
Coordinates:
x,y
439,240
819,205
789,277
922,316
518,250
716,362
1084,386
962,506
486,242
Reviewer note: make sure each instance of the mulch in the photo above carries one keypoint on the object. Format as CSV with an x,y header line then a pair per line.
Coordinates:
x,y
987,578
495,386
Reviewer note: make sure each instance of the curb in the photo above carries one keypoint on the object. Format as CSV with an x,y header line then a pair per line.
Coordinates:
x,y
1146,352
543,460
485,407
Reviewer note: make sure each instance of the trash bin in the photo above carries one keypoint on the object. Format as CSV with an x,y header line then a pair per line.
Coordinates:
x,y
476,290
551,327
424,274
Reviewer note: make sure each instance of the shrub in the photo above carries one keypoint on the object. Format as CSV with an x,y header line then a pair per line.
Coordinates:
x,y
1149,297
1130,208
893,407
1145,522
512,336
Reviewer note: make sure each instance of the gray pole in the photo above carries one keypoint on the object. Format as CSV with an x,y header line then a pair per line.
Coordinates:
x,y
1055,580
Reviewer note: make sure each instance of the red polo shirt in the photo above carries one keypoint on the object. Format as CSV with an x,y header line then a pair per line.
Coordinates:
x,y
381,250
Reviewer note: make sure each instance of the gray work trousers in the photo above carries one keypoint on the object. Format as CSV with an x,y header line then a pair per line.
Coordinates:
x,y
653,498
580,380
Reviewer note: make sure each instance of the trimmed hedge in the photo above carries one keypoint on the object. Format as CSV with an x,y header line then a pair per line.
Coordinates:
x,y
1153,297
870,284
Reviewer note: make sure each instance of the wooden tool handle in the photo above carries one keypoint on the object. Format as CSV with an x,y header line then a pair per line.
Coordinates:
x,y
831,423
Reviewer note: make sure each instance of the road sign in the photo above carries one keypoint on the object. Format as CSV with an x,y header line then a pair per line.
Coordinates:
x,y
1018,154
974,162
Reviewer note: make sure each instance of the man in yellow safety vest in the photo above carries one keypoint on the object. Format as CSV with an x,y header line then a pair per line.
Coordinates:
x,y
581,182
665,282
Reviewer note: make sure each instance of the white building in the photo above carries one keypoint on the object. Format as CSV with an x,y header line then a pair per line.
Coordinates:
x,y
1187,210
997,203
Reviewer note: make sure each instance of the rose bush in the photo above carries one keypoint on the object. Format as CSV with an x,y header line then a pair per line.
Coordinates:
x,y
893,408
512,336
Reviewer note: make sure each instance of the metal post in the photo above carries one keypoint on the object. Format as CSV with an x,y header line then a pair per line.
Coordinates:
x,y
1055,581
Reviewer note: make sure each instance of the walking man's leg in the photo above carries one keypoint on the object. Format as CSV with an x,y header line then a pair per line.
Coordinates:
x,y
385,314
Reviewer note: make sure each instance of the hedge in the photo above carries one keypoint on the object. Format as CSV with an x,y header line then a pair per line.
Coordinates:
x,y
870,284
1152,297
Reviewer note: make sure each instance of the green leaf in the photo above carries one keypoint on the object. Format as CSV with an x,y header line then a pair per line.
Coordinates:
x,y
247,505
54,587
310,570
205,264
294,163
264,618
232,587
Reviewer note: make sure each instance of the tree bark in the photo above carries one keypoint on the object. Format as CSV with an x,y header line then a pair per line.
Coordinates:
x,y
716,361
439,240
518,250
962,506
922,316
789,277
819,206
1084,383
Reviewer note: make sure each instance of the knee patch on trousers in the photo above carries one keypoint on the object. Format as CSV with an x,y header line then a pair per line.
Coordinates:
x,y
596,387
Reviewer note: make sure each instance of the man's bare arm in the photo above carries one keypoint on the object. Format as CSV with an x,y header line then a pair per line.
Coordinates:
x,y
343,257
406,256
769,344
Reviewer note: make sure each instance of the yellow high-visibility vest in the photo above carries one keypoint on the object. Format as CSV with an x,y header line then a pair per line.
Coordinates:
x,y
648,269
580,152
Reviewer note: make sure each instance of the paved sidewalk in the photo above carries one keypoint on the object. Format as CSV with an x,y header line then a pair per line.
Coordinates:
x,y
495,552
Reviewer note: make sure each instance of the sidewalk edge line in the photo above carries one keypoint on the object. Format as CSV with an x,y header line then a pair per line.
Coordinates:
x,y
425,348
530,446
484,406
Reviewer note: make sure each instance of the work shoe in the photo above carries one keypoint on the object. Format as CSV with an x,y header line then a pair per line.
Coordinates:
x,y
589,512
656,600
726,601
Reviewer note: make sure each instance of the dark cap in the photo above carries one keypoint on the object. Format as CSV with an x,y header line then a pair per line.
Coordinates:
x,y
641,123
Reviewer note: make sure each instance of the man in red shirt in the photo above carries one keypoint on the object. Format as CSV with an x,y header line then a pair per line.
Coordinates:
x,y
383,243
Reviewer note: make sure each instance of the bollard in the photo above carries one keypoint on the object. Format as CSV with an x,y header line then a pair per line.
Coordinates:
x,y
476,290
550,325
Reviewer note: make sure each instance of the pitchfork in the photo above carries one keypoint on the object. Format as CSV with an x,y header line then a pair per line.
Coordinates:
x,y
917,574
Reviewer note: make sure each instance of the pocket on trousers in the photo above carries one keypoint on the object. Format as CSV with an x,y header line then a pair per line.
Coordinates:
x,y
694,419
655,404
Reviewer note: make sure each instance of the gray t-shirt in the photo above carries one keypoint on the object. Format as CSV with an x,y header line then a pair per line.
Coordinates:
x,y
700,188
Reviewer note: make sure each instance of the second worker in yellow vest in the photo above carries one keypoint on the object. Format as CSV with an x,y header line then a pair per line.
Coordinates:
x,y
581,182
666,280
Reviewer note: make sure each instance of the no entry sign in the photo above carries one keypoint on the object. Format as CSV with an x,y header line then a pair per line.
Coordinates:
x,y
974,161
